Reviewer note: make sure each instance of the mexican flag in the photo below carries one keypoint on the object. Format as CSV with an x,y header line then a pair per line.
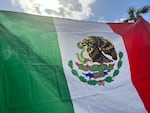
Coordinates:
x,y
54,65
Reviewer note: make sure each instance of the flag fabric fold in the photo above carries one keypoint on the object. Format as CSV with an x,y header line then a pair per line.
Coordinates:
x,y
54,65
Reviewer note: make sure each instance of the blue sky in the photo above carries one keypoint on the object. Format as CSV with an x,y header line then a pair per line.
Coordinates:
x,y
89,10
115,10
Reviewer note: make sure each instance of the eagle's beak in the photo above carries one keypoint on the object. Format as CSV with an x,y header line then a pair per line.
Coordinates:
x,y
79,45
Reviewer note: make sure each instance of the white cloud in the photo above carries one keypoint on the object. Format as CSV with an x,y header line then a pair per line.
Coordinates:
x,y
74,9
120,20
102,19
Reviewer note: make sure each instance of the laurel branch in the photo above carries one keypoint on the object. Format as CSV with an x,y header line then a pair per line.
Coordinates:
x,y
107,79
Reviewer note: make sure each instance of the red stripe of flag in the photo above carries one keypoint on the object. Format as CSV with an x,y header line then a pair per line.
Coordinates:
x,y
136,37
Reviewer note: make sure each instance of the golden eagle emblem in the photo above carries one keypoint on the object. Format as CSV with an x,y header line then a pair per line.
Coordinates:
x,y
98,66
97,48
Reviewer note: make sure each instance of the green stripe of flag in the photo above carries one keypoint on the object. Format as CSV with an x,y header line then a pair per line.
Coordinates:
x,y
31,74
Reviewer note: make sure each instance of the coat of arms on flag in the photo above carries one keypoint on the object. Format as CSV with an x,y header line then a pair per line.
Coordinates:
x,y
96,61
